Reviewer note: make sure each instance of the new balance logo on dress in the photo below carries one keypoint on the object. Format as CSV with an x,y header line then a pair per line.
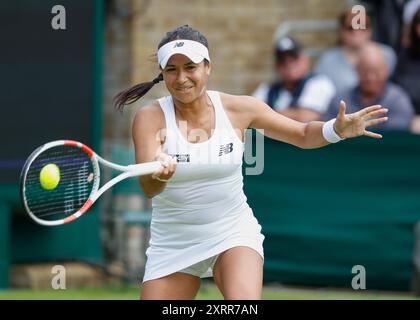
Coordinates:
x,y
225,149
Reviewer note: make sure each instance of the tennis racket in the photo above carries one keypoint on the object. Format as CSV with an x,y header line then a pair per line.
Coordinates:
x,y
77,185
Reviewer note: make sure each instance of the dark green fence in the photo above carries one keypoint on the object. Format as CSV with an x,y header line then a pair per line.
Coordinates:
x,y
326,210
60,98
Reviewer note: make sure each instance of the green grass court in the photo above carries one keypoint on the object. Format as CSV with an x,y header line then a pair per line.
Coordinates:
x,y
208,291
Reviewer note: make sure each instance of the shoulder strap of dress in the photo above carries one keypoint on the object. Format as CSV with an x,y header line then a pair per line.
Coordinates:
x,y
167,106
221,116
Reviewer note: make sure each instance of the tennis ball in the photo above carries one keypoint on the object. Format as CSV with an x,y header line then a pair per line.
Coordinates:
x,y
49,177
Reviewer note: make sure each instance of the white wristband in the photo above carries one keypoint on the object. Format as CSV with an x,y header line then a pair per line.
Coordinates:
x,y
329,133
162,180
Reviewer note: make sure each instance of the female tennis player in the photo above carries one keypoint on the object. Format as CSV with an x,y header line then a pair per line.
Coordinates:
x,y
202,225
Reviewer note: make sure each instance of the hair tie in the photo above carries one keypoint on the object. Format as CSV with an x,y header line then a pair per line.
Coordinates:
x,y
158,79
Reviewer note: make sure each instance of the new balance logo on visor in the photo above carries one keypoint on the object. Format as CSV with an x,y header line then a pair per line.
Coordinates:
x,y
178,44
225,149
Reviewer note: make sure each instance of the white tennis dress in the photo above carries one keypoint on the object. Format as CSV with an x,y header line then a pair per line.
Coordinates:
x,y
203,210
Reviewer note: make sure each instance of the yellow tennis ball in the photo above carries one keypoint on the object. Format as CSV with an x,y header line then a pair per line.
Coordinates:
x,y
49,177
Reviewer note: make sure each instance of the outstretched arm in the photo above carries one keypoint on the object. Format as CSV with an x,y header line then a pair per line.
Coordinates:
x,y
308,135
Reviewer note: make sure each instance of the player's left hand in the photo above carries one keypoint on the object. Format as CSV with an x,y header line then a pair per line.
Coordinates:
x,y
355,124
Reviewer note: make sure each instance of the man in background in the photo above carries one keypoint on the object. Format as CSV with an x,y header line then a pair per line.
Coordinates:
x,y
374,88
297,93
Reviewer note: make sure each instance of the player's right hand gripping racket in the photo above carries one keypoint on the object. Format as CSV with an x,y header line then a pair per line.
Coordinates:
x,y
77,185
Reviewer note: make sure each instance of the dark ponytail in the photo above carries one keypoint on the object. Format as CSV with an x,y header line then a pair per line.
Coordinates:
x,y
134,93
139,90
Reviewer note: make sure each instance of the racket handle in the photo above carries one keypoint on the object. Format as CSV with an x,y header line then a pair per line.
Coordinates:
x,y
144,168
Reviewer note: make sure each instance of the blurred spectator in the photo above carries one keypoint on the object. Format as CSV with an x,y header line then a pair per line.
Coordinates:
x,y
298,94
410,9
339,63
407,73
375,89
387,21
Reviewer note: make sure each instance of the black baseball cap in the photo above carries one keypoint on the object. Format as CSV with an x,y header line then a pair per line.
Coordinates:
x,y
287,45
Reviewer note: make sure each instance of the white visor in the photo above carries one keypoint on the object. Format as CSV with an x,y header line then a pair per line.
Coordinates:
x,y
194,50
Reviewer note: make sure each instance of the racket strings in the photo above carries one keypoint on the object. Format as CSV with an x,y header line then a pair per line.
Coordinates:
x,y
74,187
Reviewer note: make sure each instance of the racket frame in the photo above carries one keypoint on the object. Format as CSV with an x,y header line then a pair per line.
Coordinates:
x,y
127,171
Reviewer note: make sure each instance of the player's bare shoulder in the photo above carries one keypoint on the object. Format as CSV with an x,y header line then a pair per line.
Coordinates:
x,y
148,121
150,116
